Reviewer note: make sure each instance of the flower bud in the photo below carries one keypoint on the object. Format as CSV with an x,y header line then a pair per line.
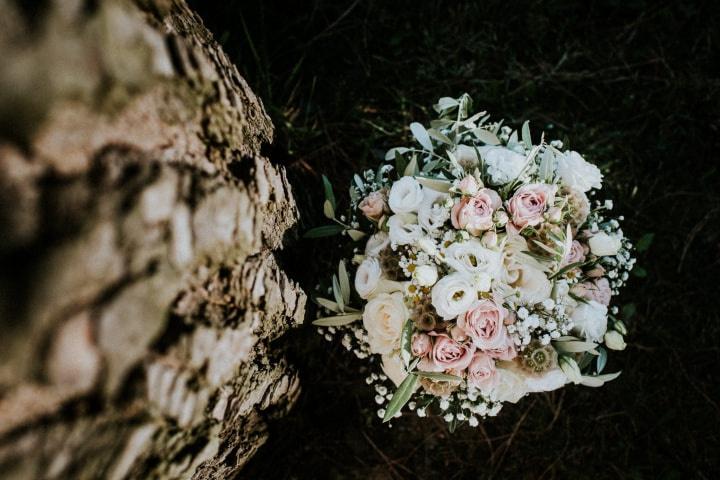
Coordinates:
x,y
614,340
571,369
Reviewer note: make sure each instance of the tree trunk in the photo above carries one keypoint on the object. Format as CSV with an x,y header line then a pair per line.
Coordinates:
x,y
139,292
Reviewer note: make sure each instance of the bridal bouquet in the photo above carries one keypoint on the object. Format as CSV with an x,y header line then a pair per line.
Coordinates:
x,y
483,269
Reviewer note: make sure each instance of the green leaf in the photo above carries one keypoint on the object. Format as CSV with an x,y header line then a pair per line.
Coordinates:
x,y
639,272
338,293
400,163
328,210
412,167
574,346
436,184
598,380
441,377
329,195
601,359
486,136
547,165
645,241
566,269
401,396
437,135
421,135
355,234
324,231
329,304
337,320
344,279
527,140
406,341
393,152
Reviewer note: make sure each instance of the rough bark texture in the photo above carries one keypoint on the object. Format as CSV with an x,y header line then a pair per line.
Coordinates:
x,y
139,292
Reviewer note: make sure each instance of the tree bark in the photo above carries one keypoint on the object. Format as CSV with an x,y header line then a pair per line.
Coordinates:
x,y
139,292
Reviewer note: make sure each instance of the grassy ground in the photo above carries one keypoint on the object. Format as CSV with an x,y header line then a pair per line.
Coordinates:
x,y
634,85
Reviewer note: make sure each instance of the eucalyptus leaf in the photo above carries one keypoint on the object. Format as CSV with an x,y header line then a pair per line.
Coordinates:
x,y
598,380
601,359
328,210
355,234
337,320
437,184
526,138
437,135
486,136
324,231
421,135
439,376
329,304
412,167
401,396
337,293
574,346
645,241
393,152
344,279
329,195
547,165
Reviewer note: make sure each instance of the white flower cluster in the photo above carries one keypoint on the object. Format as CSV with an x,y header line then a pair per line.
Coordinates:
x,y
485,274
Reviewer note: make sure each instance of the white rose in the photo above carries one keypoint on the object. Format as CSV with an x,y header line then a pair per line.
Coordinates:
x,y
602,244
473,258
384,317
368,277
403,229
503,165
614,340
426,275
392,366
531,284
377,243
405,195
466,157
432,213
509,386
453,294
590,320
576,173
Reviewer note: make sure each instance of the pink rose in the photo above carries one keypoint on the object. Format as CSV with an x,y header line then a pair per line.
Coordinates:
x,y
468,185
506,351
529,203
597,290
596,272
481,372
483,323
576,253
451,354
374,205
475,213
421,344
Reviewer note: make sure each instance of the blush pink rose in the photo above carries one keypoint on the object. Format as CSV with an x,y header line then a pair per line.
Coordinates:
x,y
421,344
451,354
481,372
468,185
596,272
374,205
475,213
483,323
505,352
529,203
576,253
598,290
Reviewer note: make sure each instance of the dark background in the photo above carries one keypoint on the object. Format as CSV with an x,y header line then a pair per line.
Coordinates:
x,y
634,85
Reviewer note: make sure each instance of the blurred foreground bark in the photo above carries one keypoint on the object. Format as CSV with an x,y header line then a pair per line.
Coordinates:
x,y
139,292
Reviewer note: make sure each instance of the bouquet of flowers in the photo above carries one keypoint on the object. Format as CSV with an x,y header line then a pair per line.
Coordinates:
x,y
483,269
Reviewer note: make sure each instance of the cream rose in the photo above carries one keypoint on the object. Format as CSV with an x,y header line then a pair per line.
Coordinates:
x,y
529,203
531,284
426,275
405,195
475,213
468,185
367,277
575,172
590,320
602,244
509,385
377,243
384,318
466,156
453,295
421,344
